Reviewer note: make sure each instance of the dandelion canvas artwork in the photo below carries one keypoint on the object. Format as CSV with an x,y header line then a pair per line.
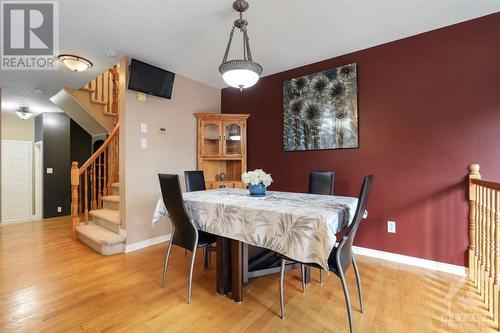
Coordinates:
x,y
320,110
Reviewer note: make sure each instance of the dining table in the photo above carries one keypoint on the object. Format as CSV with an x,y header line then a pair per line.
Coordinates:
x,y
299,226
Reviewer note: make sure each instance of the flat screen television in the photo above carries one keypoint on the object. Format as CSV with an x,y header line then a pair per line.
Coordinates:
x,y
150,80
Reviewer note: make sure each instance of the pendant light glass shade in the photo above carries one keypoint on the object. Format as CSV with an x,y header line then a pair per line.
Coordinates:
x,y
241,73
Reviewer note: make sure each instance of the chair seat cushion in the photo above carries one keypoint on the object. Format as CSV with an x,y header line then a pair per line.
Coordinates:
x,y
204,239
332,265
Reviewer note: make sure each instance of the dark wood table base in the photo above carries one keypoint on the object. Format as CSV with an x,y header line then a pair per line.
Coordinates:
x,y
233,264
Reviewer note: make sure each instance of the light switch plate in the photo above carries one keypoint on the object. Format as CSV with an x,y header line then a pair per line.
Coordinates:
x,y
144,143
59,209
50,170
144,128
391,227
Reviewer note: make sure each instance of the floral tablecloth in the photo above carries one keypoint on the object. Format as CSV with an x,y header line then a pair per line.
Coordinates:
x,y
297,225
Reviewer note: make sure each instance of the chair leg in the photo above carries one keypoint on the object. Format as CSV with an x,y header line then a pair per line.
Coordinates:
x,y
358,281
303,277
209,250
347,301
206,253
321,276
282,287
165,264
190,285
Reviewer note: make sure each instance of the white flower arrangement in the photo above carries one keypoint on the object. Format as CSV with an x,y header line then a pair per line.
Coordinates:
x,y
256,177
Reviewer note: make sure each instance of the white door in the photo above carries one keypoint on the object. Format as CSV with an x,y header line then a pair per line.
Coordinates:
x,y
16,181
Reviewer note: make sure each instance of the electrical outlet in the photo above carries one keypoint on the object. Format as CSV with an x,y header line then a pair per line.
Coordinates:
x,y
144,143
144,128
59,209
391,227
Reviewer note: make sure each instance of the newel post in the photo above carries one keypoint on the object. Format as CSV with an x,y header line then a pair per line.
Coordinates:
x,y
75,183
473,174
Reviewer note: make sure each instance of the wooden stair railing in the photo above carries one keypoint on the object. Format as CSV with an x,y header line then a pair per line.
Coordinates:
x,y
484,239
93,180
104,90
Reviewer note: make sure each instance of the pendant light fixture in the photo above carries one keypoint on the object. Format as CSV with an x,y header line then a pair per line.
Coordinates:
x,y
24,113
240,73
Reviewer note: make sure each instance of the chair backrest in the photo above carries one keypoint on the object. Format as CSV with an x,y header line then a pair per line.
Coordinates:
x,y
321,182
195,181
185,233
343,254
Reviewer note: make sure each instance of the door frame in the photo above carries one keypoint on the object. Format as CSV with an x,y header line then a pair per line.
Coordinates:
x,y
30,157
38,181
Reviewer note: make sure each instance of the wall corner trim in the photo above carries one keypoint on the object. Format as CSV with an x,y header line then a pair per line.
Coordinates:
x,y
147,243
412,261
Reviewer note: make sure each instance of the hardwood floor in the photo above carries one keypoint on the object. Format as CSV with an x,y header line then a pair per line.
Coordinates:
x,y
50,283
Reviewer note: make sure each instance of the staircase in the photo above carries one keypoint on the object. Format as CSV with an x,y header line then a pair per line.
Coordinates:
x,y
94,106
95,191
104,234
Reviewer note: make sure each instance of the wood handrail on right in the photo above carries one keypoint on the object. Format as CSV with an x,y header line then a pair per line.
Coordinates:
x,y
485,183
484,238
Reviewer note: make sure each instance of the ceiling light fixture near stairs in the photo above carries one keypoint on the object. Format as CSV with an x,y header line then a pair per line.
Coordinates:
x,y
75,63
24,113
241,73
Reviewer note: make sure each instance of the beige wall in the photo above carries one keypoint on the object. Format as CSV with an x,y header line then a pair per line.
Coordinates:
x,y
14,128
173,152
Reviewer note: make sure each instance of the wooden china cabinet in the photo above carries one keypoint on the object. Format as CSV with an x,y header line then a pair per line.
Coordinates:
x,y
222,148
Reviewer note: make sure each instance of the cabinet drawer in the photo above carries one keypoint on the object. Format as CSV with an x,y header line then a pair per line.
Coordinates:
x,y
224,184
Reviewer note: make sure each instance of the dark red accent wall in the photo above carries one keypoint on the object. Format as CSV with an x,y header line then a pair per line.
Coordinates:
x,y
429,105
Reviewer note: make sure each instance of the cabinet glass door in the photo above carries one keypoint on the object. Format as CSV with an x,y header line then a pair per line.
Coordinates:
x,y
211,145
233,138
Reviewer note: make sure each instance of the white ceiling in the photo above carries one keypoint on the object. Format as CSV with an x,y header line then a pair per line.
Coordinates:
x,y
188,37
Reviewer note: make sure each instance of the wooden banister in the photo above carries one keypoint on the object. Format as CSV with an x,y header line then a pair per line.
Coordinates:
x,y
484,239
99,151
91,181
96,174
104,90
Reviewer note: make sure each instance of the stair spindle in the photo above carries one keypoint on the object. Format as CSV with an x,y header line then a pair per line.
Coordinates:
x,y
86,209
99,184
94,187
491,249
105,181
75,182
496,288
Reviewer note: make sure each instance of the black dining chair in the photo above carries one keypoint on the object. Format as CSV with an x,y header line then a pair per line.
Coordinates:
x,y
341,257
184,232
195,181
321,182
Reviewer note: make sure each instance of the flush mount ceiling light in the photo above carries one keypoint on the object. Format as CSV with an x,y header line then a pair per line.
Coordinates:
x,y
24,113
241,73
75,63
